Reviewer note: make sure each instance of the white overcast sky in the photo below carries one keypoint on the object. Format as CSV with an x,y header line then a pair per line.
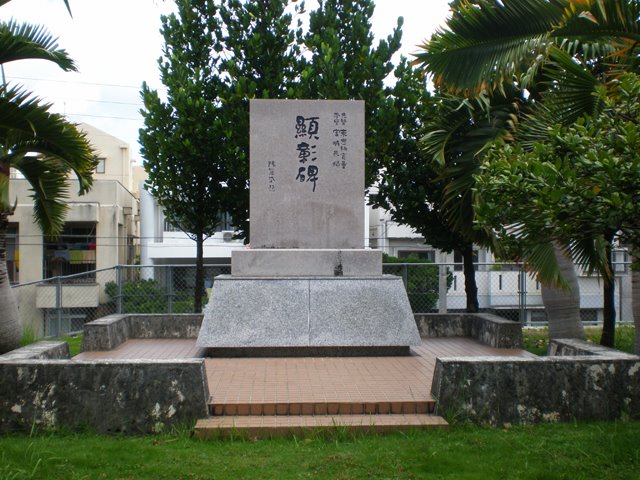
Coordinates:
x,y
116,44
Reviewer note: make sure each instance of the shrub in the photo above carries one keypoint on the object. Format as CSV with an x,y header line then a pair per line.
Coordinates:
x,y
149,296
421,281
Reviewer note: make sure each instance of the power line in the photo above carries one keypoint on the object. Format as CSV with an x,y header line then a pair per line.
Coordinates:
x,y
103,116
137,87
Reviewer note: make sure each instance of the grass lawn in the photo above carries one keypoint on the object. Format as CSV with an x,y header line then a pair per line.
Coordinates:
x,y
550,451
536,340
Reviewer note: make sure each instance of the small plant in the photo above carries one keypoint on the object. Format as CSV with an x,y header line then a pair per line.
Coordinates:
x,y
29,336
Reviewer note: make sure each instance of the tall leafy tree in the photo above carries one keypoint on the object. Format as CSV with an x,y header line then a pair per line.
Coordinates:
x,y
346,65
41,145
185,136
581,184
411,187
217,56
262,60
563,52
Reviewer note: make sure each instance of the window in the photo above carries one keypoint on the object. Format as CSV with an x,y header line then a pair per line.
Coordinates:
x,y
538,316
100,168
589,315
73,252
428,255
224,224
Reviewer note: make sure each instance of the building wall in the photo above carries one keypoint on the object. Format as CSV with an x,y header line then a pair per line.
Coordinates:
x,y
110,205
159,246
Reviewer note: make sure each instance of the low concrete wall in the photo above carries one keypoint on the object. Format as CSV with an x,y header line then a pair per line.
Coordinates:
x,y
109,332
488,329
497,390
41,387
136,396
45,350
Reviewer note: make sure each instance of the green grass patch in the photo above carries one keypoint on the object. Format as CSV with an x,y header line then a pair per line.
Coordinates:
x,y
74,341
536,340
550,451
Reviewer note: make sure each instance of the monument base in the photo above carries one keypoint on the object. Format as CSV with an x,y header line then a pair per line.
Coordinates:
x,y
294,312
293,262
307,352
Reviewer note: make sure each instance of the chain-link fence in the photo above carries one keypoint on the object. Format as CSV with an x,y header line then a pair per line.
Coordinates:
x,y
60,305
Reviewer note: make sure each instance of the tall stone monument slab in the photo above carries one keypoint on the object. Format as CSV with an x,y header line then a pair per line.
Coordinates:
x,y
306,284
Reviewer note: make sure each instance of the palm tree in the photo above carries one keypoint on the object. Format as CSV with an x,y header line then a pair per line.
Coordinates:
x,y
562,52
42,146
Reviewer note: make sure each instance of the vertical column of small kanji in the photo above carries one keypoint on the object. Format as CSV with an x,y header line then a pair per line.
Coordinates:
x,y
340,140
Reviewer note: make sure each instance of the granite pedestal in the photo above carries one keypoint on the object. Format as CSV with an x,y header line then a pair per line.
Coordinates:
x,y
312,315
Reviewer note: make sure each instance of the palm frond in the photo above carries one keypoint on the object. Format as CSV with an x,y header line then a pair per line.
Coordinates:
x,y
573,91
48,183
591,252
24,41
26,125
541,258
589,19
485,43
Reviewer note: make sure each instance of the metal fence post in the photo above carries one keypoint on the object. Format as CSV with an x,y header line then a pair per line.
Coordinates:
x,y
119,283
405,276
170,290
522,295
58,306
442,288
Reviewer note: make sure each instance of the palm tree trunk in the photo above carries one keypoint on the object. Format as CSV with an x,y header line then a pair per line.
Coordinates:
x,y
10,328
470,286
635,304
563,305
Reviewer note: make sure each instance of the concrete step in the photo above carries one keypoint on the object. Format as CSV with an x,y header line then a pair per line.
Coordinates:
x,y
263,426
322,408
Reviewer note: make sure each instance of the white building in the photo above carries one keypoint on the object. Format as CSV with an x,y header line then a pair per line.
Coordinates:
x,y
163,244
501,288
101,231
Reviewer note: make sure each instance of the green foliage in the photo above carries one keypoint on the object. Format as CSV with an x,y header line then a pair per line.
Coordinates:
x,y
345,65
536,340
149,296
220,54
421,281
581,182
549,451
29,336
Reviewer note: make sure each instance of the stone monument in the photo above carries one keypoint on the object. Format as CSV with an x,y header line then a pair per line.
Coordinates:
x,y
306,285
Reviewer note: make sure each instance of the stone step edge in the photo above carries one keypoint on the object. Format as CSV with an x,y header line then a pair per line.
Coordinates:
x,y
322,408
277,426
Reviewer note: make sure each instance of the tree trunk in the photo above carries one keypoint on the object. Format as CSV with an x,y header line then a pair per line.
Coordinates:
x,y
609,313
10,328
470,286
609,306
563,305
199,290
635,303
